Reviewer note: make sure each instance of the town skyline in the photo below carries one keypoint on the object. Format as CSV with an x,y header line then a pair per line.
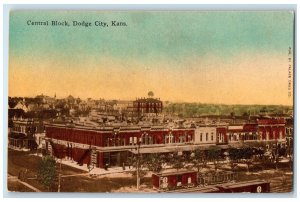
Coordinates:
x,y
140,97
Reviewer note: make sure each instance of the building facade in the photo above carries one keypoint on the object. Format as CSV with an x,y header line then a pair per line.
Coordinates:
x,y
147,105
111,146
23,133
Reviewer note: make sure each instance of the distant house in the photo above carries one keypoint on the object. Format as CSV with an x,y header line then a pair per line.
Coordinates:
x,y
32,107
122,105
83,106
21,105
70,99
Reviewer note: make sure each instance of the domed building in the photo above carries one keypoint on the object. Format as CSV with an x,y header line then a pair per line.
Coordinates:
x,y
148,105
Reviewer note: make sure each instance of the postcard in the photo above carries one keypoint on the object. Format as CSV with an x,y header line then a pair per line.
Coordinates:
x,y
151,101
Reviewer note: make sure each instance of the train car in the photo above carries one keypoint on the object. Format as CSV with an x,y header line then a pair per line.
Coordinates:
x,y
254,186
207,189
171,180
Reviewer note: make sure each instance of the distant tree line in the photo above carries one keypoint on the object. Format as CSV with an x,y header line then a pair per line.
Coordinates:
x,y
198,109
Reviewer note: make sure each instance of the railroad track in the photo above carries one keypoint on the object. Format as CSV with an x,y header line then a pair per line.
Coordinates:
x,y
279,186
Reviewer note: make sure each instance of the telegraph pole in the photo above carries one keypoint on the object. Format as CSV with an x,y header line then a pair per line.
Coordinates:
x,y
59,176
138,168
138,163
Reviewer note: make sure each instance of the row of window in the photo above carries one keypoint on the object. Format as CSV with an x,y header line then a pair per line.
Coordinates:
x,y
147,140
206,137
149,104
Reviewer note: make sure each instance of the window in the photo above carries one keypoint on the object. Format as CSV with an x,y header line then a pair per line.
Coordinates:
x,y
190,138
212,136
181,138
280,135
200,137
179,178
169,138
189,180
150,140
206,136
122,141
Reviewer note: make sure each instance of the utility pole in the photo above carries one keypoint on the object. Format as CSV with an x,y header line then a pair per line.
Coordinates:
x,y
138,168
59,176
138,163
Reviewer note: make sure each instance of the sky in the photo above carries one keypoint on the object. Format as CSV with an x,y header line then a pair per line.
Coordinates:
x,y
207,57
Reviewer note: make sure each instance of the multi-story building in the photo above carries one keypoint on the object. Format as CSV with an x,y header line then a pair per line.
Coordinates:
x,y
272,130
111,145
23,134
147,105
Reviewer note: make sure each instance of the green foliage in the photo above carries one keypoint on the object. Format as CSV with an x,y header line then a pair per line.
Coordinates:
x,y
139,162
47,172
234,154
199,109
154,162
178,161
247,153
214,155
243,154
199,159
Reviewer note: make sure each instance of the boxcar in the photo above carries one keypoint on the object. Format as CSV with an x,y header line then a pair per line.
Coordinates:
x,y
174,179
255,186
208,189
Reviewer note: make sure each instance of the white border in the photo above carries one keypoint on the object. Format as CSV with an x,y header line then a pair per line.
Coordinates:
x,y
109,6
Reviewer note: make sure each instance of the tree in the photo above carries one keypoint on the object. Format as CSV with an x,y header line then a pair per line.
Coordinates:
x,y
178,161
154,162
199,159
277,152
234,157
47,172
139,163
214,155
247,154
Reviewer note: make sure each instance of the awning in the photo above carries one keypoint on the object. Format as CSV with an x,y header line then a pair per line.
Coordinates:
x,y
150,150
171,148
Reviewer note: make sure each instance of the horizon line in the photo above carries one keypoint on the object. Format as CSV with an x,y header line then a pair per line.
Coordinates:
x,y
172,101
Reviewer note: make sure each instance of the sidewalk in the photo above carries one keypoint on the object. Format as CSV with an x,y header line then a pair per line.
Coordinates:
x,y
95,170
15,178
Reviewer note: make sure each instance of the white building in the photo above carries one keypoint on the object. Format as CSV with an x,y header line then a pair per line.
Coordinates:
x,y
205,134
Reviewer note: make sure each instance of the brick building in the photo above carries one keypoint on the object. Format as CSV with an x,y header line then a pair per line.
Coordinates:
x,y
143,106
111,146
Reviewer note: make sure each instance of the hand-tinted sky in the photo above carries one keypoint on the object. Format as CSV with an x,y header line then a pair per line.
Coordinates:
x,y
219,57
